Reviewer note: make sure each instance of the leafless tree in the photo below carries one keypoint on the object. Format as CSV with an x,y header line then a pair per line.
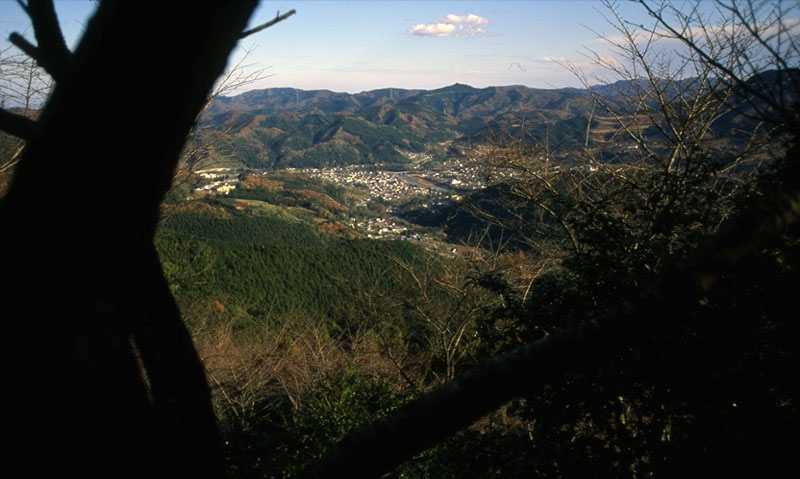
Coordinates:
x,y
444,297
252,373
24,87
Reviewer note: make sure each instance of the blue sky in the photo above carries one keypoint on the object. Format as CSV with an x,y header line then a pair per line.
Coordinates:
x,y
361,45
357,45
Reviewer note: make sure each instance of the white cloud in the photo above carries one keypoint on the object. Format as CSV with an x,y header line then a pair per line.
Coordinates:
x,y
439,29
452,26
471,18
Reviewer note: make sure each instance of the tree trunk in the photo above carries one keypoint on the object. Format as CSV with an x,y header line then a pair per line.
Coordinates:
x,y
86,306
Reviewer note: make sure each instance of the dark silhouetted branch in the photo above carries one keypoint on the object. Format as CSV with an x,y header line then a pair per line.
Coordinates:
x,y
17,125
51,53
270,23
20,42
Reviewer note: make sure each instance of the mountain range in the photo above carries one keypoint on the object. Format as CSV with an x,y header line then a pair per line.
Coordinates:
x,y
288,127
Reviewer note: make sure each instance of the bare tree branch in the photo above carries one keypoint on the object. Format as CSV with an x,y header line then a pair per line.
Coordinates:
x,y
30,49
51,53
13,160
278,18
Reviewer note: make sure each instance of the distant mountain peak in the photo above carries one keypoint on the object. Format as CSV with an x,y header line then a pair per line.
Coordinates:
x,y
455,87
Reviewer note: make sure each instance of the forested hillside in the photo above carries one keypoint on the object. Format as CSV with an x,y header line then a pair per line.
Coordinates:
x,y
261,267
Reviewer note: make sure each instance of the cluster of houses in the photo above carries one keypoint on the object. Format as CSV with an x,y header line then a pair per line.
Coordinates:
x,y
223,180
382,228
387,185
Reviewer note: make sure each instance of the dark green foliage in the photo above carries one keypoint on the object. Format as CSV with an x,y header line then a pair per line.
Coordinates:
x,y
251,155
242,229
323,155
263,267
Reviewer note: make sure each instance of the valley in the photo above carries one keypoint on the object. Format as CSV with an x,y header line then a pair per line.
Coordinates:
x,y
394,155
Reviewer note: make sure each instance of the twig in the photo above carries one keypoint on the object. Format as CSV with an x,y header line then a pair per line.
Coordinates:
x,y
270,23
14,159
